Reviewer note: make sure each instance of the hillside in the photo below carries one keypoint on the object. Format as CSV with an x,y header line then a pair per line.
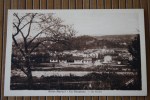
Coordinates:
x,y
127,37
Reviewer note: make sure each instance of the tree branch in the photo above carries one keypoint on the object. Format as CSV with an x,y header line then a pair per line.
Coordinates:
x,y
24,16
37,45
24,70
24,25
38,35
18,30
18,19
18,46
30,25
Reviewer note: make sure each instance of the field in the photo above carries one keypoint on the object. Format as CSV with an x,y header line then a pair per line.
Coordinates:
x,y
73,79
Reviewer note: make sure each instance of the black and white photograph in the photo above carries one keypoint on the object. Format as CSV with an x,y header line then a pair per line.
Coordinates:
x,y
75,52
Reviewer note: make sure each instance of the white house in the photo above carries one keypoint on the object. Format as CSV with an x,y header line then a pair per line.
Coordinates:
x,y
107,59
77,61
63,61
53,60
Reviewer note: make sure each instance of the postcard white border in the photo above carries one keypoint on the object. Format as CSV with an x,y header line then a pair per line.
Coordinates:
x,y
8,92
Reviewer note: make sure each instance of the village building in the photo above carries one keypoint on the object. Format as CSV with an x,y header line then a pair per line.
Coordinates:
x,y
71,59
77,60
54,60
107,59
63,61
87,60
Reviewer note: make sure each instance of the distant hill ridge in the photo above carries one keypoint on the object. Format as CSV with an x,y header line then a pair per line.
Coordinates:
x,y
116,37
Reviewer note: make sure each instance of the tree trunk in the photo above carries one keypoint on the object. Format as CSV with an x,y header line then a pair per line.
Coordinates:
x,y
29,80
29,73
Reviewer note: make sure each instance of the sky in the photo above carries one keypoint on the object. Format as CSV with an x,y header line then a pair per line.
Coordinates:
x,y
97,22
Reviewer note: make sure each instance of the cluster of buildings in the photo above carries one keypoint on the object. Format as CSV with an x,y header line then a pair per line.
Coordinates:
x,y
87,57
90,57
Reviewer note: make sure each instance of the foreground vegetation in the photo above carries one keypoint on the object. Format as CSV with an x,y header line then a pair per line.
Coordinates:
x,y
91,81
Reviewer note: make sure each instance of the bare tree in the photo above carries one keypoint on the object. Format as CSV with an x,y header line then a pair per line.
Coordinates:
x,y
28,27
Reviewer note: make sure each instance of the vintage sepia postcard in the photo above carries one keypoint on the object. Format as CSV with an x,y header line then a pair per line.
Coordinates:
x,y
75,53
